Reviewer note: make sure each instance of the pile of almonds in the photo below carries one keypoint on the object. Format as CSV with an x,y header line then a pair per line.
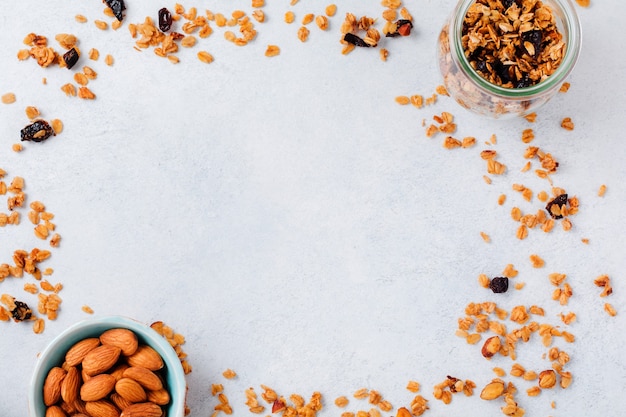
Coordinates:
x,y
108,376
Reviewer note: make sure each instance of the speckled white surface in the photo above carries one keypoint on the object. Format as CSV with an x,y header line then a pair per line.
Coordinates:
x,y
294,222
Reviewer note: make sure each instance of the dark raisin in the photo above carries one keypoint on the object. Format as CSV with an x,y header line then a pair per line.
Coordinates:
x,y
165,19
38,131
561,201
21,311
502,71
355,40
70,58
535,37
117,6
499,284
481,66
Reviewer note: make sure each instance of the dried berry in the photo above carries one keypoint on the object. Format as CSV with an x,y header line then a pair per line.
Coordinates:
x,y
401,27
70,58
38,131
165,19
509,3
499,284
535,38
355,40
21,311
561,201
117,6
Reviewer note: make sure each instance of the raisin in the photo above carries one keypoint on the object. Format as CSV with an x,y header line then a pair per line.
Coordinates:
x,y
38,131
561,201
70,58
117,6
499,284
165,19
535,37
21,311
355,40
525,81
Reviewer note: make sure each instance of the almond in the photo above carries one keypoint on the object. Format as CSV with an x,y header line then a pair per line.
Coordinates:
x,y
100,359
130,390
102,408
492,390
76,353
146,378
160,396
120,401
55,411
52,385
146,409
491,346
70,385
124,339
118,370
146,357
97,387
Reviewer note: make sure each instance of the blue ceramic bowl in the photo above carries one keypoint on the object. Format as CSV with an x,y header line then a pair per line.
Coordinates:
x,y
54,355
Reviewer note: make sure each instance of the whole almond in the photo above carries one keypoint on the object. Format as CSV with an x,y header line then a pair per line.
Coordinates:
x,y
491,347
70,385
492,390
97,387
118,370
55,411
52,385
146,409
160,396
102,408
100,359
146,357
120,401
130,390
77,353
124,339
146,378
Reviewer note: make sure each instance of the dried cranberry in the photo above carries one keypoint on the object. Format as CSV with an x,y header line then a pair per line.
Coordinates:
x,y
70,58
21,311
402,28
561,201
165,19
499,284
355,40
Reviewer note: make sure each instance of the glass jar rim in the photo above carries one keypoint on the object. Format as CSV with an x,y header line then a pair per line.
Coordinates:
x,y
572,50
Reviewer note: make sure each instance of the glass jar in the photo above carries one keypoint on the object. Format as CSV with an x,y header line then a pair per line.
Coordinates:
x,y
477,94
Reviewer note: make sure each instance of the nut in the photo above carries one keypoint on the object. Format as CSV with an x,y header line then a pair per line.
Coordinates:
x,y
100,359
547,378
55,411
71,385
102,408
52,385
130,390
146,409
160,396
97,387
77,353
491,346
146,378
146,357
124,339
492,390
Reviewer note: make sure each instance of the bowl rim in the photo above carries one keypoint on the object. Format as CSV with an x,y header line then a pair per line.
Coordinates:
x,y
76,332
